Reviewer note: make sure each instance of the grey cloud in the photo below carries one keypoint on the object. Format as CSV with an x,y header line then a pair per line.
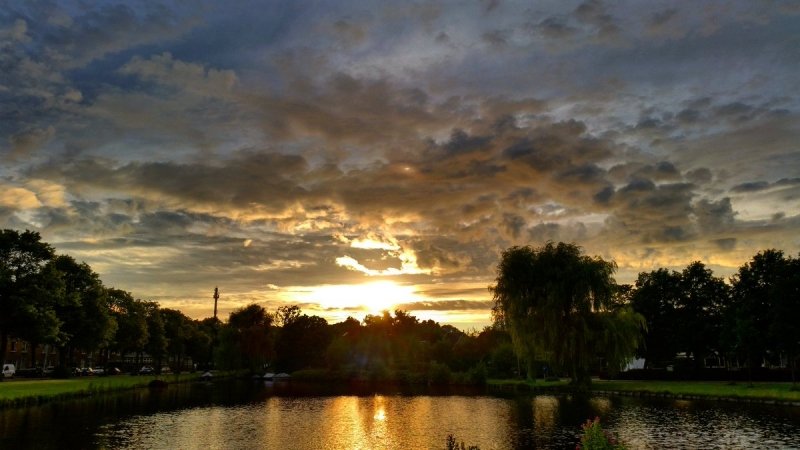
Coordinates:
x,y
752,186
555,28
715,216
726,244
447,305
496,38
756,186
263,178
699,176
513,224
688,116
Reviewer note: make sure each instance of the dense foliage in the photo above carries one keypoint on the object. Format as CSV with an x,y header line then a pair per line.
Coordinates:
x,y
558,306
556,309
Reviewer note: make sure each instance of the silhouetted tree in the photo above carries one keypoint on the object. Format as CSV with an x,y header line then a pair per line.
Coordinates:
x,y
656,297
131,317
302,343
784,328
250,329
556,302
87,323
699,312
22,257
156,334
755,287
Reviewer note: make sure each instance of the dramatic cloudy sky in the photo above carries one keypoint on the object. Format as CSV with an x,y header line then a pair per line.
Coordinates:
x,y
353,155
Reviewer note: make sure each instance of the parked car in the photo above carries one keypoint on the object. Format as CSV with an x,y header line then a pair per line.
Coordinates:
x,y
87,371
9,370
99,371
146,370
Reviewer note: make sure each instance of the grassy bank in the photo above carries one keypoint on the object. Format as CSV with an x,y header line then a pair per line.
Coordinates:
x,y
763,391
714,389
28,392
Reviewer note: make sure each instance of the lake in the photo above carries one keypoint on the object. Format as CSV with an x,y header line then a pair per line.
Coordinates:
x,y
258,415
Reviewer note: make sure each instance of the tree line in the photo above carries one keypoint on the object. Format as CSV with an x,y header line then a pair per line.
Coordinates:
x,y
557,312
564,309
751,322
50,299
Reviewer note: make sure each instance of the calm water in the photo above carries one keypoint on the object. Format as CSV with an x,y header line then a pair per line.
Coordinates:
x,y
254,415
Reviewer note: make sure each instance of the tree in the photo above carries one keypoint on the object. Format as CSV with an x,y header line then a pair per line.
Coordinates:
x,y
286,314
131,317
556,302
753,300
84,311
22,257
302,343
784,331
37,320
156,334
179,330
699,312
248,337
656,297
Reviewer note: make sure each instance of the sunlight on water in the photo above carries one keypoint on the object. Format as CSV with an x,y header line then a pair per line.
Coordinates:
x,y
424,421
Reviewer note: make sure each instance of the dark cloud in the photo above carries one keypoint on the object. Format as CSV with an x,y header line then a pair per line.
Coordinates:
x,y
555,28
172,146
752,186
725,243
447,305
756,186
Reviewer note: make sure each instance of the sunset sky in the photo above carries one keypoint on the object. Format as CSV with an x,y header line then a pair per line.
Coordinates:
x,y
351,156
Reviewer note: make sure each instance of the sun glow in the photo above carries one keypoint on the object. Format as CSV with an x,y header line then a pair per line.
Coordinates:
x,y
370,297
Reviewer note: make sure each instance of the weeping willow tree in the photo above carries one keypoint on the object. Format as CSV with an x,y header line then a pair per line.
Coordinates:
x,y
557,305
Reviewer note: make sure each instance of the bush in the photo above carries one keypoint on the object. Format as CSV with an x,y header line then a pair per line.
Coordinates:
x,y
477,375
595,438
439,373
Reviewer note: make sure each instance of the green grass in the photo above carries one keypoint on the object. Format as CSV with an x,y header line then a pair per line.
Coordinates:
x,y
712,389
742,390
22,392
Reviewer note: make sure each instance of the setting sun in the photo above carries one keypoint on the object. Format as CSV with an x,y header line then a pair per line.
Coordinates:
x,y
369,297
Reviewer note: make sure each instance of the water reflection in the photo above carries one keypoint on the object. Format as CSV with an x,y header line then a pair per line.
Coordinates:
x,y
243,416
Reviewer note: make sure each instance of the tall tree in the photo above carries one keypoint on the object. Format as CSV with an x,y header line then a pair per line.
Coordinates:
x,y
179,331
22,257
656,297
551,299
302,343
131,317
156,334
699,312
250,329
753,299
784,328
37,320
87,320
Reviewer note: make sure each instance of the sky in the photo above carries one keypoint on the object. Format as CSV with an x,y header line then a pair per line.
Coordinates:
x,y
354,156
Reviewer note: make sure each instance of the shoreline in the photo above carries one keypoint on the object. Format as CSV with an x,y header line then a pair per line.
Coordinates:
x,y
32,392
767,393
22,393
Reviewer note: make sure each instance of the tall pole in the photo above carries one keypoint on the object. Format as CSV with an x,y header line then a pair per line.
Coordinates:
x,y
216,297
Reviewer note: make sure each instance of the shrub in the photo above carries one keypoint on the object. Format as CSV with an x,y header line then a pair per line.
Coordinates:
x,y
477,375
595,438
439,373
452,444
